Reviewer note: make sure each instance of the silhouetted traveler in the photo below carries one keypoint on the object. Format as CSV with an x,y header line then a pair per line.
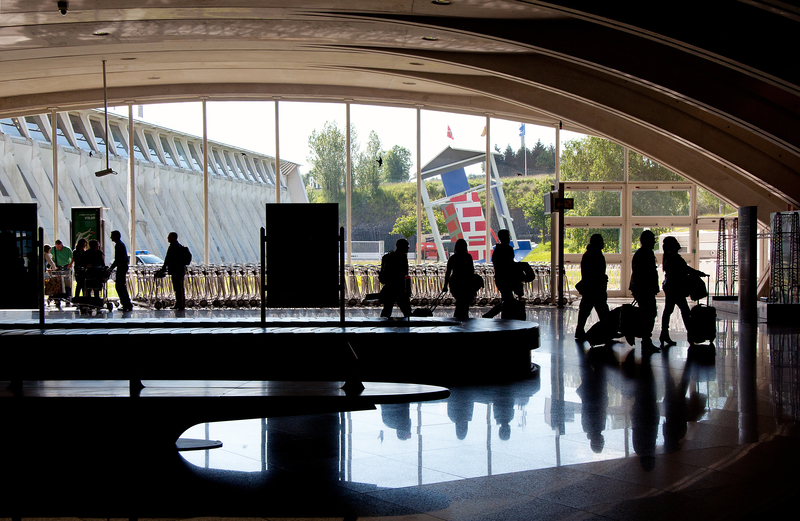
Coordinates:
x,y
393,275
644,288
175,263
593,285
79,262
95,263
676,287
506,278
460,278
121,264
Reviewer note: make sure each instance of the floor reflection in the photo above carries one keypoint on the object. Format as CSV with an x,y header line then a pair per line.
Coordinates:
x,y
588,405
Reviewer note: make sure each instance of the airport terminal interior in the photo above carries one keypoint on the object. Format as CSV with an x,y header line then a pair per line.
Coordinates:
x,y
453,428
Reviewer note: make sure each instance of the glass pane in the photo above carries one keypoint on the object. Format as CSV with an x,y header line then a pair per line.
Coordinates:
x,y
168,151
660,203
99,134
709,205
592,159
185,164
576,239
641,168
81,134
121,145
11,127
220,165
682,234
61,135
138,148
34,129
197,159
595,203
151,147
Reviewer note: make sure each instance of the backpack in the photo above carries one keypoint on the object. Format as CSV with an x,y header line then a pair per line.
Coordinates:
x,y
187,256
385,261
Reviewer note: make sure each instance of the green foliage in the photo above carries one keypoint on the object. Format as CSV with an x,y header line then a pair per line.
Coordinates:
x,y
533,205
397,164
592,159
329,158
406,225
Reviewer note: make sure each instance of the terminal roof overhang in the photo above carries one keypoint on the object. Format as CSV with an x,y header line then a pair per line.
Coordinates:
x,y
709,89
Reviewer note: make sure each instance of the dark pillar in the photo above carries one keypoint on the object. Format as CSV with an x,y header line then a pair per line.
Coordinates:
x,y
748,277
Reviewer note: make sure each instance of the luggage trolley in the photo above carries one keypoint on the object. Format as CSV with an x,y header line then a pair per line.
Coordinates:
x,y
58,286
95,280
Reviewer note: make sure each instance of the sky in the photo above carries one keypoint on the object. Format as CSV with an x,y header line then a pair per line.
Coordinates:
x,y
251,125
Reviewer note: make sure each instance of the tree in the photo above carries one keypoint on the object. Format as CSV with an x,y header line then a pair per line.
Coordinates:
x,y
397,164
367,172
406,225
329,159
533,205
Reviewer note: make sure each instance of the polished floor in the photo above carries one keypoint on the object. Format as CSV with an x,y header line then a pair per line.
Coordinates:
x,y
602,433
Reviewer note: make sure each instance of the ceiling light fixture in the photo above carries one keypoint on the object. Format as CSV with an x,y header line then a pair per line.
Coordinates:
x,y
100,33
430,38
441,2
107,170
415,63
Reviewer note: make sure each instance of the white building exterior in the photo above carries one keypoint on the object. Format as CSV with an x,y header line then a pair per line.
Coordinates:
x,y
168,182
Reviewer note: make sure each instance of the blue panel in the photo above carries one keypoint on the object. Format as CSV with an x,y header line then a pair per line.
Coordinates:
x,y
455,182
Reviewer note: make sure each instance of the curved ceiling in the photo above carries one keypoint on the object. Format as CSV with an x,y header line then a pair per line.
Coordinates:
x,y
710,89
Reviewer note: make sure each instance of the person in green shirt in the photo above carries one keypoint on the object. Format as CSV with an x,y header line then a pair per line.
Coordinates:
x,y
62,256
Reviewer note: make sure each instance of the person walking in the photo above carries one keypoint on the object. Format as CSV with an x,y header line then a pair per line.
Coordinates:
x,y
593,285
644,288
80,266
121,265
393,275
507,279
459,278
676,287
175,263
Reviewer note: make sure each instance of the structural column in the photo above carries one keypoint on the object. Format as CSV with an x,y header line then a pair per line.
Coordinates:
x,y
748,275
349,182
419,183
488,190
54,142
131,190
206,248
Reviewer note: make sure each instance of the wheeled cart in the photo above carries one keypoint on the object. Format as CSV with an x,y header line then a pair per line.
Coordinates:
x,y
58,286
95,281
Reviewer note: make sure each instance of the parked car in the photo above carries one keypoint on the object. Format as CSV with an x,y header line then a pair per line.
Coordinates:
x,y
147,258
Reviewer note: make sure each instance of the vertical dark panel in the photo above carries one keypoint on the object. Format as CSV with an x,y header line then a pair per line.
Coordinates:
x,y
748,276
18,256
302,255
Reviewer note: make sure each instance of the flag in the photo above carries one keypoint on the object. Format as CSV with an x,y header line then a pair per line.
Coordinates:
x,y
483,134
522,129
450,133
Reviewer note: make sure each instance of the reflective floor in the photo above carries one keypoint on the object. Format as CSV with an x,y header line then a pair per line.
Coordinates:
x,y
605,433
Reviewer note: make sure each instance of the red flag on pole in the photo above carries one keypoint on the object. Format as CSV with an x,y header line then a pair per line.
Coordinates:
x,y
450,133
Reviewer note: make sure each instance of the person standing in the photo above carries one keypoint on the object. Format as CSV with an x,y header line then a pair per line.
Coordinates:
x,y
121,265
175,264
80,266
676,287
62,256
644,288
507,279
593,284
394,272
459,277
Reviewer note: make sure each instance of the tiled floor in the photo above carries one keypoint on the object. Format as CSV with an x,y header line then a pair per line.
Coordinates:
x,y
707,432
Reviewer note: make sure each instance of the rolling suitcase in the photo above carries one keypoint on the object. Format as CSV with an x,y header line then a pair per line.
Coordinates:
x,y
702,323
605,330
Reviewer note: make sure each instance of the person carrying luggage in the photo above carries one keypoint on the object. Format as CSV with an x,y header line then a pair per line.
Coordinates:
x,y
507,279
459,277
95,263
676,287
593,285
644,288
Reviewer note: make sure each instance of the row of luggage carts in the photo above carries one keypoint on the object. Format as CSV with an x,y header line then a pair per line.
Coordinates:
x,y
236,286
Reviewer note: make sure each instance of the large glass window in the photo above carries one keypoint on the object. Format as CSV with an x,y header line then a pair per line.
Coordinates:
x,y
709,205
595,203
640,168
233,166
658,203
197,158
61,133
682,234
222,169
